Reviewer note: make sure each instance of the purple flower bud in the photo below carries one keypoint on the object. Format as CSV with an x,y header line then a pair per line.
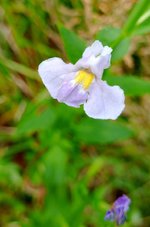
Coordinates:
x,y
118,211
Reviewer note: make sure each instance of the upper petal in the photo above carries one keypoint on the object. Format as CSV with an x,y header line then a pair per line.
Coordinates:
x,y
104,101
96,58
122,201
91,51
95,49
52,72
101,62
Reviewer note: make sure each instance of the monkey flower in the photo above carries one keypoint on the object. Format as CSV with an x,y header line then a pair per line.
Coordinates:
x,y
82,83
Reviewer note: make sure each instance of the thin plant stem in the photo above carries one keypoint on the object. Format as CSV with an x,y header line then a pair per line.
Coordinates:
x,y
136,13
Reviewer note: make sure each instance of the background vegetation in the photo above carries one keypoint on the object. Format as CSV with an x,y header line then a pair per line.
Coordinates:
x,y
59,168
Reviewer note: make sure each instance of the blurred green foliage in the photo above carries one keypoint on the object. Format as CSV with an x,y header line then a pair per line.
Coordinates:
x,y
59,168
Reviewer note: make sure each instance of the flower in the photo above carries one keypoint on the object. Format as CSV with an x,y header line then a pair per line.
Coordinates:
x,y
118,210
81,83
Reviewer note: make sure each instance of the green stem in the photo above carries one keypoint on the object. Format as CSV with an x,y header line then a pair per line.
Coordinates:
x,y
136,13
118,40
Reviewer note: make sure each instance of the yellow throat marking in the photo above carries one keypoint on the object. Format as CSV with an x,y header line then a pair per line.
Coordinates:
x,y
84,78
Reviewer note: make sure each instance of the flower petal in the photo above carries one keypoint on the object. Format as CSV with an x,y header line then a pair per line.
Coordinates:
x,y
96,58
120,216
95,49
71,93
110,215
104,102
122,201
98,64
90,52
52,72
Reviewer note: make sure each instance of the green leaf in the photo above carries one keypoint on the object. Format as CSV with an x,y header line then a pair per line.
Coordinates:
x,y
138,10
94,168
101,132
55,165
142,28
108,35
34,120
45,50
132,85
121,50
74,45
9,172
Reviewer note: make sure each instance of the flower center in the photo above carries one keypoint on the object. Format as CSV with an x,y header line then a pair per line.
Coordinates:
x,y
84,78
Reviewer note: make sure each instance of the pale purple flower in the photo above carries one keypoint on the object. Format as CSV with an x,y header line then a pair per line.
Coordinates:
x,y
81,83
118,211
